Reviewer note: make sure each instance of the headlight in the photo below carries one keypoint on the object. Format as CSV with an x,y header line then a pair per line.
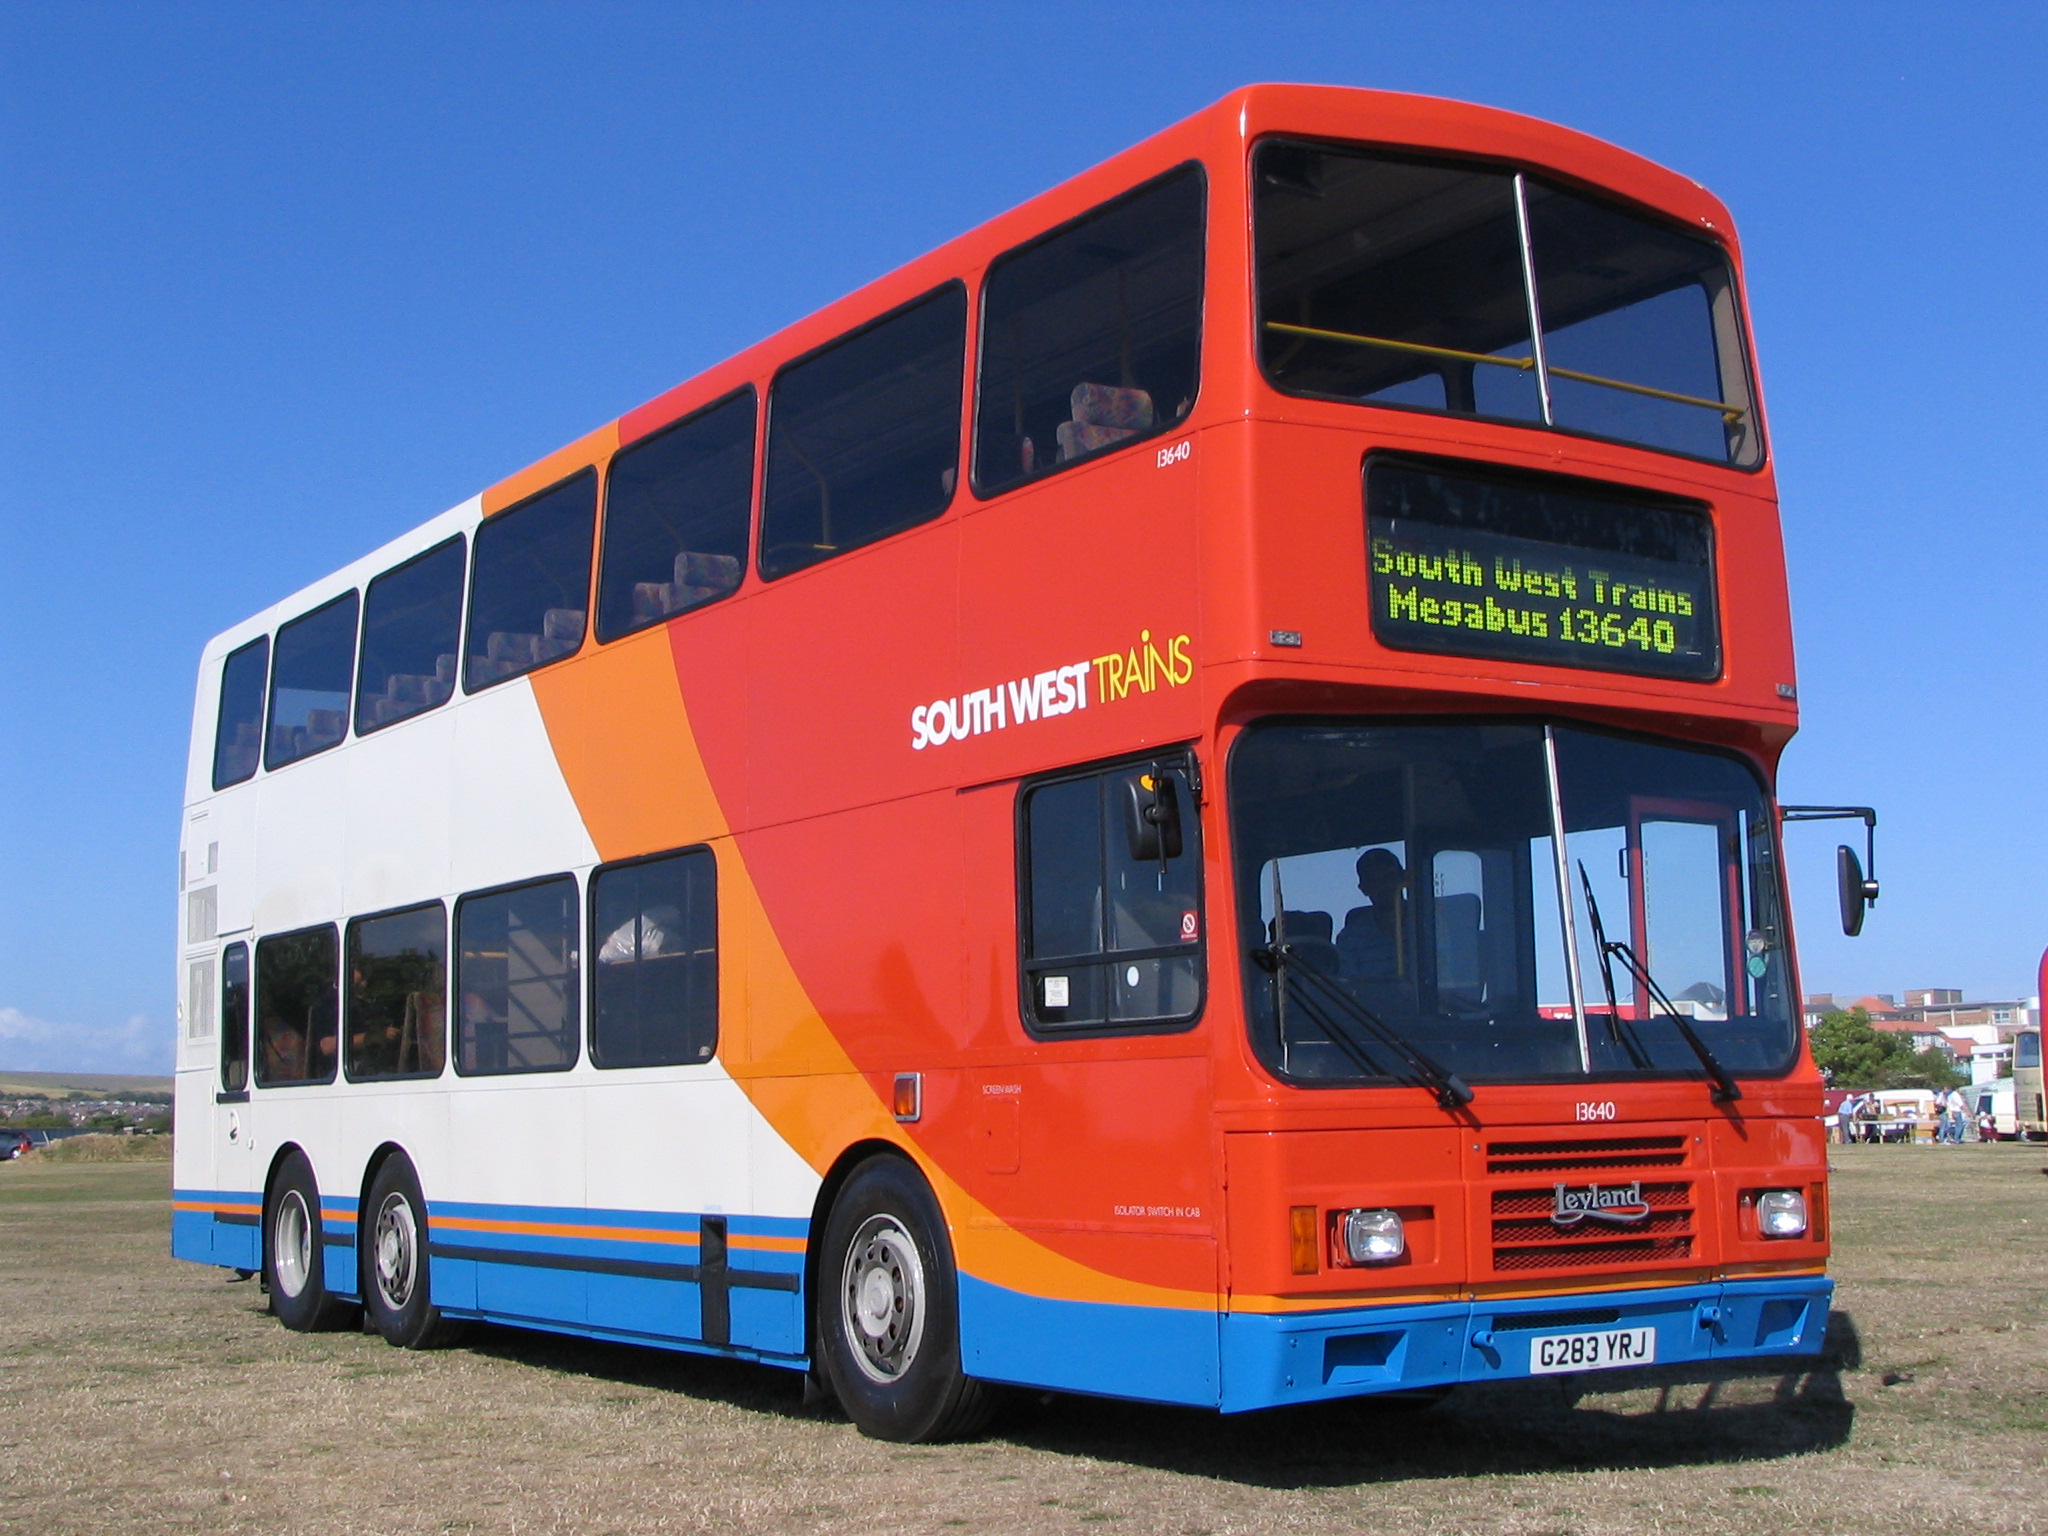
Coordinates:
x,y
1372,1237
1781,1213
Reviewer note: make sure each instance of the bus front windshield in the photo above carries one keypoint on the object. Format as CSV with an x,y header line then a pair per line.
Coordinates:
x,y
1516,902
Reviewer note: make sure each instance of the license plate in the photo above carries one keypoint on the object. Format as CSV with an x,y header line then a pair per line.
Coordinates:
x,y
1608,1350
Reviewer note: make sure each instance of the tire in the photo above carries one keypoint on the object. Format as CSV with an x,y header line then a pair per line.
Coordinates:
x,y
396,1280
888,1311
294,1261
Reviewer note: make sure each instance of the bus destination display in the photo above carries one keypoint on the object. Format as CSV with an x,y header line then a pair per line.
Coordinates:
x,y
1564,572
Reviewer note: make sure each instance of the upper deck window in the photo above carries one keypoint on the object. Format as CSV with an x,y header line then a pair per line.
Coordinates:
x,y
1091,337
412,629
864,436
531,584
238,732
675,518
309,685
1401,283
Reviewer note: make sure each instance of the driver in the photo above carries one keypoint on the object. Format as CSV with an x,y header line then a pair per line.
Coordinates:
x,y
1369,947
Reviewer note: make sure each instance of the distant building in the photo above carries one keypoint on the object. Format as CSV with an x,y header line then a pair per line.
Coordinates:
x,y
1937,1018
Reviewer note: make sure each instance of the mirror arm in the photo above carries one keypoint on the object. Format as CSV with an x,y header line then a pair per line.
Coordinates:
x,y
1862,813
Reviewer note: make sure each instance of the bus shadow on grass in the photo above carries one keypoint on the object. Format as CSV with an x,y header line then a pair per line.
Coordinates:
x,y
1659,1417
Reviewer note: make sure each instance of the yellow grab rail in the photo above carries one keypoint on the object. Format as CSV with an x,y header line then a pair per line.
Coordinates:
x,y
1525,364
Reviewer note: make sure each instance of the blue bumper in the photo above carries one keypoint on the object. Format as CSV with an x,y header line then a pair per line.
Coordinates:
x,y
1307,1357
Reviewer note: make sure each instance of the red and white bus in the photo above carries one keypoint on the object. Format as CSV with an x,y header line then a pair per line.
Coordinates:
x,y
1174,800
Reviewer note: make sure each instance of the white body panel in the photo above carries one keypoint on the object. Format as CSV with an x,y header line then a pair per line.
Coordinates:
x,y
460,799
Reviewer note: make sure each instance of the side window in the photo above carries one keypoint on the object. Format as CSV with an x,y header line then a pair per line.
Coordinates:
x,y
309,685
864,436
1092,336
234,1018
654,989
412,630
295,1012
1110,906
675,518
397,987
515,976
530,583
238,733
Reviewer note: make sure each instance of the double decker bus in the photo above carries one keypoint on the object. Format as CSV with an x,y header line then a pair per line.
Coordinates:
x,y
1172,801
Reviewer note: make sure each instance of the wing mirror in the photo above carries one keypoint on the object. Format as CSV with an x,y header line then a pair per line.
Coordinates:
x,y
1152,816
1855,891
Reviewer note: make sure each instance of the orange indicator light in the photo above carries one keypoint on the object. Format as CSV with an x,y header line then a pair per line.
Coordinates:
x,y
909,1095
1302,1246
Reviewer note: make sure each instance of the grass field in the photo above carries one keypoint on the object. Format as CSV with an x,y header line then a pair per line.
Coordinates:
x,y
145,1394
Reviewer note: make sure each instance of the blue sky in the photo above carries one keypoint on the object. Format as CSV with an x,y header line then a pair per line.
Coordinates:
x,y
277,283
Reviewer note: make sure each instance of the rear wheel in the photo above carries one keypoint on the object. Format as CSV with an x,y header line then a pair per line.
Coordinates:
x,y
293,1263
888,1326
397,1291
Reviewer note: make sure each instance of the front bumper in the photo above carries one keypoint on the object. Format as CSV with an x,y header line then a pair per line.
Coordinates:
x,y
1304,1357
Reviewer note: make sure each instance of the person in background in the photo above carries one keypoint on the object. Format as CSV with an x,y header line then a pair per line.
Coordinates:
x,y
1845,1118
1956,1111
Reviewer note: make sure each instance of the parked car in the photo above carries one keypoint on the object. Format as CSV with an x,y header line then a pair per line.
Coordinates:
x,y
13,1144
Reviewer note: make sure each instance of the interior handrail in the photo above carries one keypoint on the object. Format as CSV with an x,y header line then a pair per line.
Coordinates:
x,y
1523,364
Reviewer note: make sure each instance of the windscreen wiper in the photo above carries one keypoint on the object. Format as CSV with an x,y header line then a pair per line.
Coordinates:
x,y
1725,1090
1614,1021
1323,996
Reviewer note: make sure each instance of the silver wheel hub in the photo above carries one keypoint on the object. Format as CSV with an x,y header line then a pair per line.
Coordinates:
x,y
394,1249
291,1244
882,1298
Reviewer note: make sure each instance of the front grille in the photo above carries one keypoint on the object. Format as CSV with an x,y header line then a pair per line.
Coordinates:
x,y
1544,1322
1524,1236
1578,1156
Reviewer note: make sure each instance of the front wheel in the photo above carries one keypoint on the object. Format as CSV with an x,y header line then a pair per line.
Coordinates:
x,y
888,1320
294,1269
397,1292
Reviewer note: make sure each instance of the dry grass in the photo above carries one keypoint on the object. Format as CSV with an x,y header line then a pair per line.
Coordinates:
x,y
104,1149
144,1394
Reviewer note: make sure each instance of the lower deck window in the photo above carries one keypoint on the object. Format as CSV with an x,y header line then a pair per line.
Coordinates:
x,y
295,1007
654,929
515,971
1111,899
234,1018
397,969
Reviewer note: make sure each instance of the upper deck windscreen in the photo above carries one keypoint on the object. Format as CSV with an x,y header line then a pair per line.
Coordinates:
x,y
1403,283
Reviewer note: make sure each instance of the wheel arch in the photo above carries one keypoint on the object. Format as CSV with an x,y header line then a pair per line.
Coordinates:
x,y
821,1209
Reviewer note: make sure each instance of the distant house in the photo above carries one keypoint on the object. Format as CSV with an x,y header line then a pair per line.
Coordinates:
x,y
1938,1018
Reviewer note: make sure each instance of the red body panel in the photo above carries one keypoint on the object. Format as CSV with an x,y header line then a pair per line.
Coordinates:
x,y
879,935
